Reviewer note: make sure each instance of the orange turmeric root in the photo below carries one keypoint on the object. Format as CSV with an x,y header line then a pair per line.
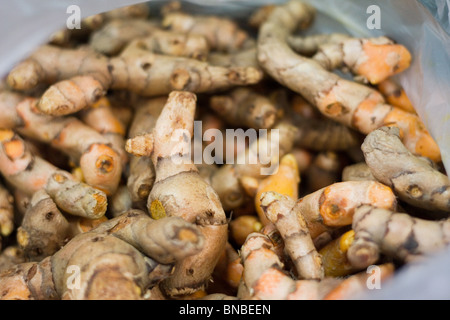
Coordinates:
x,y
372,59
100,164
347,102
335,205
29,174
6,212
395,95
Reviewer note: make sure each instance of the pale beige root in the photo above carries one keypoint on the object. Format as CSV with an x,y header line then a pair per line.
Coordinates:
x,y
70,96
221,33
324,135
135,11
6,211
141,170
258,258
264,278
180,191
29,174
68,37
282,212
259,160
397,235
334,206
100,116
357,172
355,286
165,240
271,231
218,296
115,269
44,229
245,107
129,71
309,45
101,164
314,131
411,178
352,104
174,73
117,33
10,256
120,202
324,171
242,226
28,281
244,58
174,44
260,15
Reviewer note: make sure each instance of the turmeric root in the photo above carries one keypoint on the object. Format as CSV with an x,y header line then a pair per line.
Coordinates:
x,y
245,107
102,118
334,256
335,205
357,172
372,59
117,268
10,256
222,34
242,226
100,164
264,279
6,212
285,181
411,178
45,230
141,170
397,235
318,133
120,202
86,76
251,163
30,174
309,45
180,191
279,210
356,285
324,171
244,58
114,35
395,95
135,11
347,102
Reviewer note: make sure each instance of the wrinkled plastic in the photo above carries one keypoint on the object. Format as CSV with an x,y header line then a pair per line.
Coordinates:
x,y
422,26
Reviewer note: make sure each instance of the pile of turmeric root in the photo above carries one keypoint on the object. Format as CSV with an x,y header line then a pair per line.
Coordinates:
x,y
101,198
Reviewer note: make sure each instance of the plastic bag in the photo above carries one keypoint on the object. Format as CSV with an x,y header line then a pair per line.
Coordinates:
x,y
422,26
